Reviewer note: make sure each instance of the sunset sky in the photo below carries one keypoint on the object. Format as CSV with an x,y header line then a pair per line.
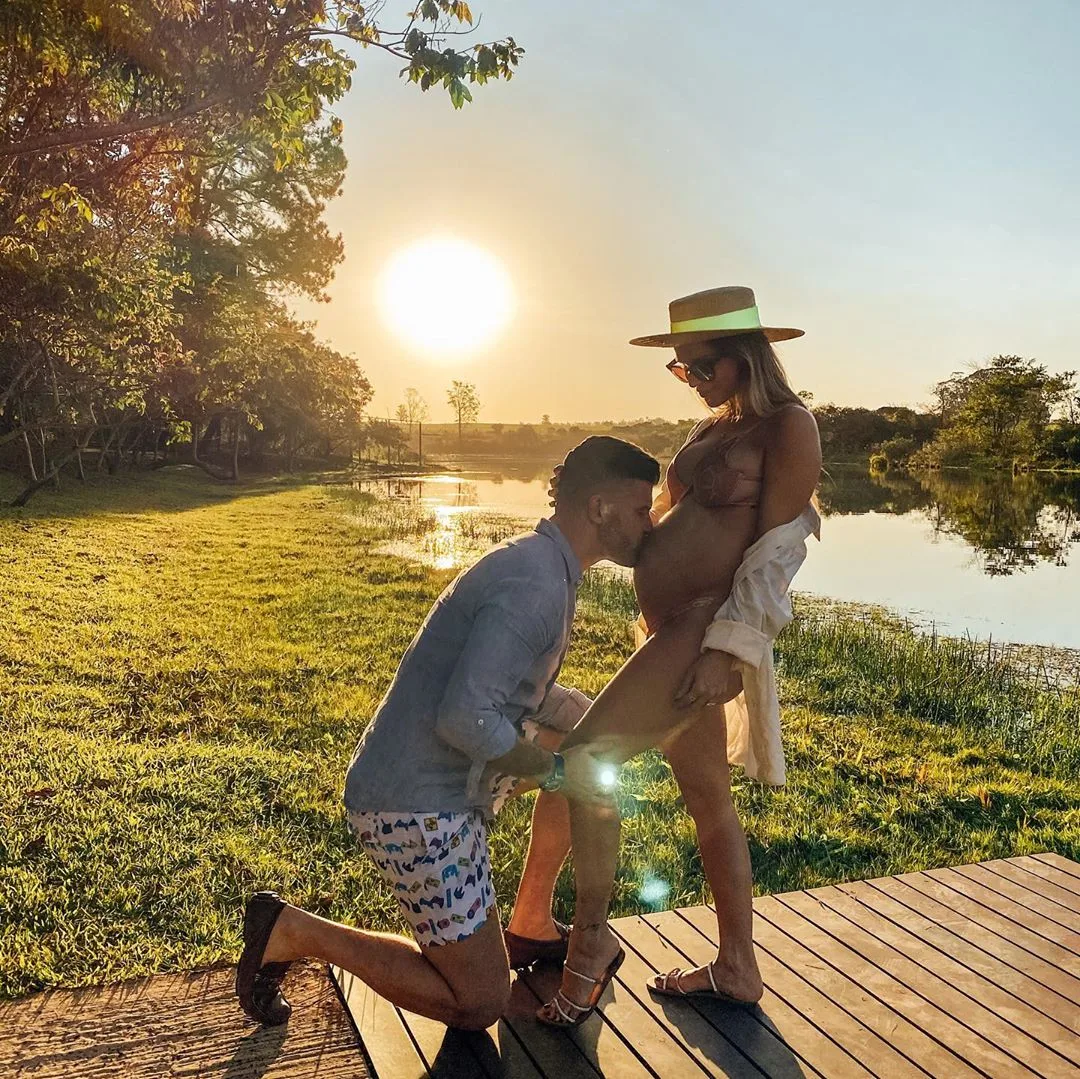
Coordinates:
x,y
902,181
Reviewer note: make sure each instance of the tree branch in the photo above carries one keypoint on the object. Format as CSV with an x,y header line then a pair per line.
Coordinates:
x,y
58,140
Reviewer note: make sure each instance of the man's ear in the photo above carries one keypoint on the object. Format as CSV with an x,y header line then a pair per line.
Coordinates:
x,y
596,509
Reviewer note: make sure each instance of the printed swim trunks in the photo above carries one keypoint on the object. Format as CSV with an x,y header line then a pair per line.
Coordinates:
x,y
438,862
438,866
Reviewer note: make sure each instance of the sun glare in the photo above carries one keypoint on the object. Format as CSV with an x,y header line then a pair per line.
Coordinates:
x,y
445,296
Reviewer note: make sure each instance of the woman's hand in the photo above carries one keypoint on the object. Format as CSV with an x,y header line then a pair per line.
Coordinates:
x,y
588,777
553,485
706,682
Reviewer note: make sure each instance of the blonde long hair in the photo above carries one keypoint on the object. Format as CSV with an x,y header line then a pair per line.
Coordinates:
x,y
764,386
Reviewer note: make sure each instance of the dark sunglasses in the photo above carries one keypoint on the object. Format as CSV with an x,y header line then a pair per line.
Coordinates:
x,y
702,370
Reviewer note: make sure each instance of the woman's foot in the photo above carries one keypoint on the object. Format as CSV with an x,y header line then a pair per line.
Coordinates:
x,y
737,984
590,955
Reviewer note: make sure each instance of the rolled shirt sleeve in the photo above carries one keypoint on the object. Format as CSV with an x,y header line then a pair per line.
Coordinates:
x,y
508,635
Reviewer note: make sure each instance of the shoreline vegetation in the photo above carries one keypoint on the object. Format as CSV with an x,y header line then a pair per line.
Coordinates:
x,y
185,668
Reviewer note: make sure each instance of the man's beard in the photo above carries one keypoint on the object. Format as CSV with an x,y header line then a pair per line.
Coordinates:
x,y
618,546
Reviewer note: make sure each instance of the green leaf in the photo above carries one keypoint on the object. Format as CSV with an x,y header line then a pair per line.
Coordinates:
x,y
459,93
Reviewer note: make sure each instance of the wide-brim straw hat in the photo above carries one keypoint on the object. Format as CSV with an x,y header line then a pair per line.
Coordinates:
x,y
715,313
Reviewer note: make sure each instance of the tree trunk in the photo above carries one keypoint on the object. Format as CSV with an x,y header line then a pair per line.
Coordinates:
x,y
28,492
236,453
30,456
104,461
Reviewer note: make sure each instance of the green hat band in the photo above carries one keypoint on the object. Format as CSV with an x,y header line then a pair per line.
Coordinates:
x,y
745,319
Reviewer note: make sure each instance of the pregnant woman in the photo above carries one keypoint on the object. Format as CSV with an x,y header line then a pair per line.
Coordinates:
x,y
731,524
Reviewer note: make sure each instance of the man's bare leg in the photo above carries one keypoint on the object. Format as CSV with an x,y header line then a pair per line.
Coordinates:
x,y
549,844
465,984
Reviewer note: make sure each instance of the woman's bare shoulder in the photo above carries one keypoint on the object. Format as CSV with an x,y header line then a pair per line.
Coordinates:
x,y
792,427
792,418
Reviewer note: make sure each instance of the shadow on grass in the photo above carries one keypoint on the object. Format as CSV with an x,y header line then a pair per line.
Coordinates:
x,y
785,864
177,487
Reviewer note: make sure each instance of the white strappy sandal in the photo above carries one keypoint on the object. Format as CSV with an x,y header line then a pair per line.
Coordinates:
x,y
661,985
554,1013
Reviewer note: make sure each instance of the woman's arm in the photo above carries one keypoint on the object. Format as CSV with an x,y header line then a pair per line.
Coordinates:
x,y
791,468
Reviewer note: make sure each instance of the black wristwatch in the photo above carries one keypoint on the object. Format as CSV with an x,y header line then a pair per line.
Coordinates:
x,y
558,774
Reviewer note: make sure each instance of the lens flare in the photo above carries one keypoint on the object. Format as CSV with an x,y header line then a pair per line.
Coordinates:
x,y
608,777
654,891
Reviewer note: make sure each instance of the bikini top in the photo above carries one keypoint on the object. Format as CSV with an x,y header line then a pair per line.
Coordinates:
x,y
715,483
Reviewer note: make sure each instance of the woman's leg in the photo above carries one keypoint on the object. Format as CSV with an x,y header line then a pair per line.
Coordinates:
x,y
634,712
705,782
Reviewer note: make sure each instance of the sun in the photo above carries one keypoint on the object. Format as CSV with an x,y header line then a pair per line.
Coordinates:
x,y
445,296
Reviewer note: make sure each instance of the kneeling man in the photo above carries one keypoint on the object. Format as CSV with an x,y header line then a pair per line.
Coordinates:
x,y
454,735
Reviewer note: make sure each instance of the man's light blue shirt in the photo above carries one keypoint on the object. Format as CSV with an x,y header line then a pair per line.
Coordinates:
x,y
484,659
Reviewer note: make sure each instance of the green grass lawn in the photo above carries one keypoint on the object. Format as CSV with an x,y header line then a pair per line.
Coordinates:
x,y
185,668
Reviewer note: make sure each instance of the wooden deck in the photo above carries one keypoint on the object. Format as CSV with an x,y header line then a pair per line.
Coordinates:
x,y
966,972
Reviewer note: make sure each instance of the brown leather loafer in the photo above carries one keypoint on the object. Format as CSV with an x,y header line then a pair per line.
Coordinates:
x,y
524,951
258,985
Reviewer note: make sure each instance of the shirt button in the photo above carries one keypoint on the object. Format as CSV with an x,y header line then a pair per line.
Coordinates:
x,y
479,722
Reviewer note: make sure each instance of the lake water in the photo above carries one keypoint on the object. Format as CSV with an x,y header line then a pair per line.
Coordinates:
x,y
990,557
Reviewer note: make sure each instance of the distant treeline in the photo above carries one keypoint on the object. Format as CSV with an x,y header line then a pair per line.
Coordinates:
x,y
847,434
1006,413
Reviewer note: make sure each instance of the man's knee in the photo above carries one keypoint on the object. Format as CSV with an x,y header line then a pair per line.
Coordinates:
x,y
483,1007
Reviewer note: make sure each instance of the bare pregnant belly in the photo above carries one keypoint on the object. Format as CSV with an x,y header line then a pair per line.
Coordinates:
x,y
692,552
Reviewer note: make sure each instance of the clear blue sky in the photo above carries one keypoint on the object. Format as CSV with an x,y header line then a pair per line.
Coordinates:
x,y
902,181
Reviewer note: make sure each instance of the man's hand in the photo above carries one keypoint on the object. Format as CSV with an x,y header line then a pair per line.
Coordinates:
x,y
589,778
706,682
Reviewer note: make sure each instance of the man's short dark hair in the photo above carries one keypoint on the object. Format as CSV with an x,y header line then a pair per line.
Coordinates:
x,y
599,460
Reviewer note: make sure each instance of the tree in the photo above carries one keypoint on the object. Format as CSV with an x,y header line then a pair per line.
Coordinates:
x,y
205,63
464,402
998,412
164,168
414,409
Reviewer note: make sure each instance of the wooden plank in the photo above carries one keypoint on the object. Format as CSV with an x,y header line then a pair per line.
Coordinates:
x,y
1051,873
182,1024
907,1041
1049,988
991,918
1040,1042
485,1054
389,1047
553,1051
1018,905
776,1037
661,1050
787,969
1059,862
1028,891
845,953
1041,879
502,1056
596,1039
714,1053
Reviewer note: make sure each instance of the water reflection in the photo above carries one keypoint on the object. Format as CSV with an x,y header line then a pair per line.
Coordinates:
x,y
1012,523
980,555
